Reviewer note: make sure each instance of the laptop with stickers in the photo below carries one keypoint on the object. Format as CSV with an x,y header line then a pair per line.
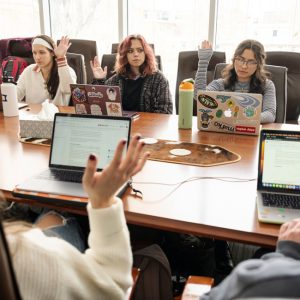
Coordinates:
x,y
229,112
98,100
74,137
278,182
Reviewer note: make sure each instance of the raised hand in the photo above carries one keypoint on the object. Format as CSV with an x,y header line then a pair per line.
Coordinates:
x,y
62,48
98,72
206,45
102,186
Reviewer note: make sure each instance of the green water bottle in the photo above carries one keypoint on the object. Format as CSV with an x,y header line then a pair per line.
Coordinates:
x,y
186,94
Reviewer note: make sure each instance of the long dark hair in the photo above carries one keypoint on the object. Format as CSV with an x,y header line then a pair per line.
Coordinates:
x,y
258,79
53,80
122,66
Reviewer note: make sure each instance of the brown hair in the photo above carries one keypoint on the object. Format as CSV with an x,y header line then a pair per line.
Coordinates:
x,y
122,66
260,76
53,81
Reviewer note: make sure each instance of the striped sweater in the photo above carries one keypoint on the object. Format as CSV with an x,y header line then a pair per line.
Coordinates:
x,y
269,96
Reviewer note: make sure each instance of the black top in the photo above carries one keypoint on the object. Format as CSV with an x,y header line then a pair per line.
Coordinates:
x,y
132,93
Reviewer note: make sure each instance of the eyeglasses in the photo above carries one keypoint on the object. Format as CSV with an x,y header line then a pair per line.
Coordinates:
x,y
138,50
241,62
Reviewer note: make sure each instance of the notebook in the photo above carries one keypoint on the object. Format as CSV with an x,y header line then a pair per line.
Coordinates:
x,y
229,112
74,137
98,100
278,182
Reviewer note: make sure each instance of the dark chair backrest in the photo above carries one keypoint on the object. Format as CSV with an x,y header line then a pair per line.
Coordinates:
x,y
114,47
76,62
8,284
187,68
88,48
290,60
279,78
109,60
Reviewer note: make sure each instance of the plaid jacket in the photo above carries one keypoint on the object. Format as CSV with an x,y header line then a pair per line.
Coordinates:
x,y
155,95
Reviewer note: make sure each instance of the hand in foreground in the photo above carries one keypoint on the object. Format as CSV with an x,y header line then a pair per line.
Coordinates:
x,y
98,72
206,45
290,231
62,48
102,186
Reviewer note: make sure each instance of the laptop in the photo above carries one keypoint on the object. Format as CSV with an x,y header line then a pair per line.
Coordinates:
x,y
74,137
229,112
98,100
278,182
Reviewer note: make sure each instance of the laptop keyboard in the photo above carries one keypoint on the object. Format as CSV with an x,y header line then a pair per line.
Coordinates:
x,y
63,175
280,200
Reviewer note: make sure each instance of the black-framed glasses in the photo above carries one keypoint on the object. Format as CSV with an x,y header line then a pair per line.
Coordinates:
x,y
241,62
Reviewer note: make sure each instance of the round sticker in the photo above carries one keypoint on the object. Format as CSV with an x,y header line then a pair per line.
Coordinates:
x,y
180,152
149,141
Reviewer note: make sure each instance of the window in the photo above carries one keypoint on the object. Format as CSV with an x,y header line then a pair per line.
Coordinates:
x,y
172,26
19,18
274,24
89,19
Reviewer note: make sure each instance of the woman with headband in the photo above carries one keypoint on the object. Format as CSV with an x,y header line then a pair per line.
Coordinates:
x,y
50,77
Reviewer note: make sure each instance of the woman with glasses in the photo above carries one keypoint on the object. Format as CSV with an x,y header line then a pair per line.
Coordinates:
x,y
246,73
143,87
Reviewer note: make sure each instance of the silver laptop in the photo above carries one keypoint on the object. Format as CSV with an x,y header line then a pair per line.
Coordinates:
x,y
74,138
229,112
278,182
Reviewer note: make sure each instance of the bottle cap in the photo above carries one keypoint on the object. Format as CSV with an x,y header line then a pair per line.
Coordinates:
x,y
187,84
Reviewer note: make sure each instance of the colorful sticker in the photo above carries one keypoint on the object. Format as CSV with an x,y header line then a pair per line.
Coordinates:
x,y
249,111
223,98
219,113
207,101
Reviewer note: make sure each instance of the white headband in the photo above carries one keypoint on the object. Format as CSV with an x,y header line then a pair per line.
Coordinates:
x,y
39,41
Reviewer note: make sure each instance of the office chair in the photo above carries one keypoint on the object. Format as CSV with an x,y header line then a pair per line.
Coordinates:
x,y
8,284
109,60
187,68
279,78
115,46
290,60
76,62
88,48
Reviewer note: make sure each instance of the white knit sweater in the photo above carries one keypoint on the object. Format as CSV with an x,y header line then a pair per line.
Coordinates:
x,y
50,268
31,85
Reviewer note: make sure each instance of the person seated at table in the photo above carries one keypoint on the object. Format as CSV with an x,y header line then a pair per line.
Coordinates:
x,y
52,268
50,77
275,275
246,73
143,87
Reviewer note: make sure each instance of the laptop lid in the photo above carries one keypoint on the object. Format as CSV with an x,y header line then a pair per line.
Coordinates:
x,y
278,172
96,99
75,137
279,161
229,112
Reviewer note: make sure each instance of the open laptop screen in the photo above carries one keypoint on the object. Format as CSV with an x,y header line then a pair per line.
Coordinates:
x,y
75,137
279,161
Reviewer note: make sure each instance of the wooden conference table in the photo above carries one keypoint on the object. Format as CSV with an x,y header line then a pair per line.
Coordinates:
x,y
209,207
